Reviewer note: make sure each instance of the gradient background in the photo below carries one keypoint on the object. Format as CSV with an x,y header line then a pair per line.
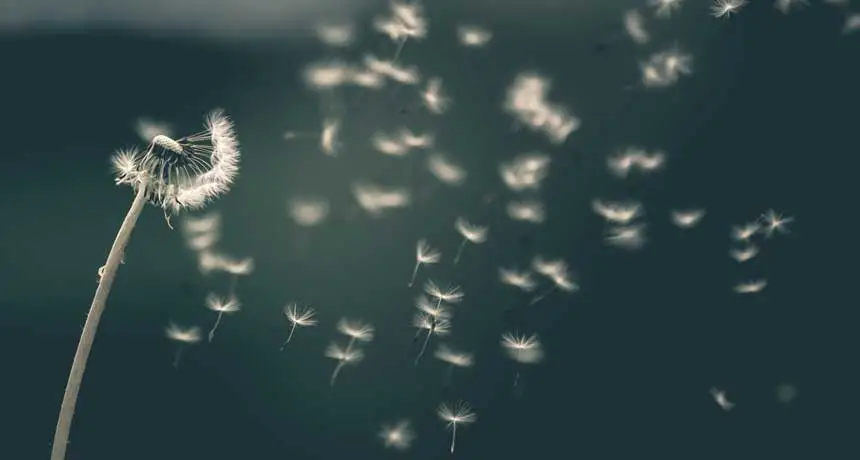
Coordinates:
x,y
630,358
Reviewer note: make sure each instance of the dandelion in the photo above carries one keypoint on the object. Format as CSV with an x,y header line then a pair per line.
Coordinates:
x,y
221,305
336,35
298,316
744,254
424,255
355,330
453,358
746,231
750,287
433,325
434,98
475,234
237,268
525,172
308,211
721,399
398,436
726,8
343,357
184,336
634,25
774,222
530,211
473,36
665,8
175,175
522,280
522,349
446,170
376,199
452,294
687,218
458,413
628,237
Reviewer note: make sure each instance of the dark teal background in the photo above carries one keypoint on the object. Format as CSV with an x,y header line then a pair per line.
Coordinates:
x,y
630,358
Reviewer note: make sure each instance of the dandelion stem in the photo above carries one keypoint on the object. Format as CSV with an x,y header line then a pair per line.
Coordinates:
x,y
541,297
177,356
460,251
453,437
414,273
215,327
516,379
336,371
79,365
289,337
234,281
423,347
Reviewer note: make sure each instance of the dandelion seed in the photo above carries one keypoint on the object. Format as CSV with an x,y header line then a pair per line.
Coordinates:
x,y
376,199
432,325
629,237
433,97
475,234
522,349
424,255
634,25
451,294
523,280
774,222
388,145
527,211
666,68
750,287
336,35
453,359
525,172
473,36
221,305
327,75
721,399
726,8
437,310
745,232
744,254
355,330
308,212
343,357
445,170
398,436
412,140
458,413
175,175
617,212
184,336
236,268
687,218
298,317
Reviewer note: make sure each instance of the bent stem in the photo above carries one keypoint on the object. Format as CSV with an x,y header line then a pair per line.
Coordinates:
x,y
414,273
79,365
336,371
460,251
289,337
423,347
215,327
541,297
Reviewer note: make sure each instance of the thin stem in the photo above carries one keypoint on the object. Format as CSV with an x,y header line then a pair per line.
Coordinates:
x,y
79,365
453,437
350,344
414,273
177,356
541,297
289,337
233,283
460,251
516,378
215,327
399,49
336,371
423,347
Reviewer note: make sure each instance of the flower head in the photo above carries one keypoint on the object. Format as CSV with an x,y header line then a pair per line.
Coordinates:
x,y
183,173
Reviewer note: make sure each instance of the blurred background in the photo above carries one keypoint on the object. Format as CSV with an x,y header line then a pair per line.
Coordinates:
x,y
630,358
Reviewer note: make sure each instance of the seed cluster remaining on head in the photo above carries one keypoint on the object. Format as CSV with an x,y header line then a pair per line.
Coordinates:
x,y
186,172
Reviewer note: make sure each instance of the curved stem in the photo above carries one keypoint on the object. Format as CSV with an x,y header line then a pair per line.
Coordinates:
x,y
423,347
414,273
215,327
460,251
79,365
